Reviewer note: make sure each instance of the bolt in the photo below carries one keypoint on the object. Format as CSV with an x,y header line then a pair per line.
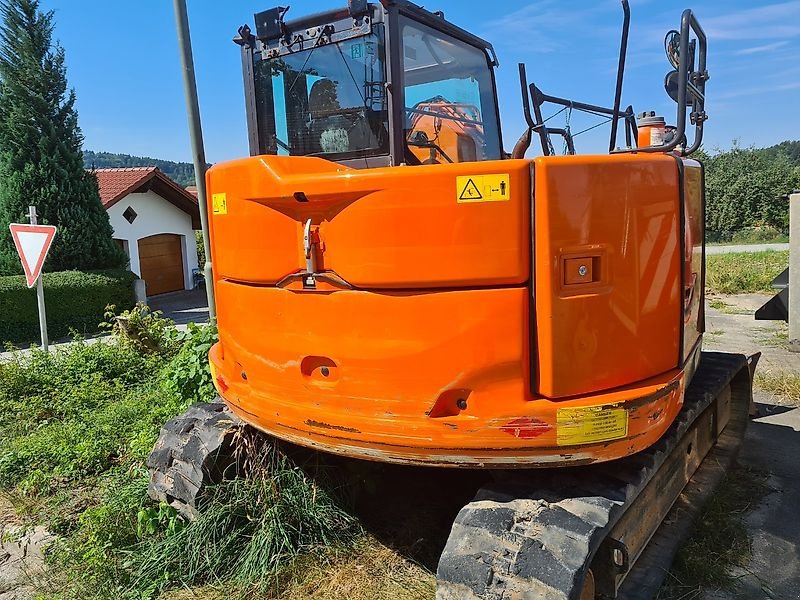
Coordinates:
x,y
244,375
325,371
618,557
582,270
461,403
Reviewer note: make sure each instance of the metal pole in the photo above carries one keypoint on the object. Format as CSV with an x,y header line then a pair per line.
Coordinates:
x,y
196,136
40,292
623,51
794,272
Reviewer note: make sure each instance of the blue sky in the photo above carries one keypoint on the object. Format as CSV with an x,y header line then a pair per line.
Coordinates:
x,y
122,60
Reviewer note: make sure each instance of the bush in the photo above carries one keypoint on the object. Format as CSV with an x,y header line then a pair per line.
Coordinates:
x,y
188,375
147,330
745,188
74,300
750,235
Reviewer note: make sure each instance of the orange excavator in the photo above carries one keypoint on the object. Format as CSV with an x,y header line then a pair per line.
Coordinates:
x,y
391,285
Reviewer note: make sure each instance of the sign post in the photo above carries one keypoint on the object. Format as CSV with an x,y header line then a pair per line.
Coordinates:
x,y
33,242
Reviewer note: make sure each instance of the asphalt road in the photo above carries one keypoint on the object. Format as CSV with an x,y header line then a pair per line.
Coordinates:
x,y
745,248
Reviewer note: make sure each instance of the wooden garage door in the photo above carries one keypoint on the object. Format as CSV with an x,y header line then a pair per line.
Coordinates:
x,y
161,263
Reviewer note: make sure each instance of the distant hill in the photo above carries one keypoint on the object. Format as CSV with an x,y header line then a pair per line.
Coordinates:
x,y
789,148
181,172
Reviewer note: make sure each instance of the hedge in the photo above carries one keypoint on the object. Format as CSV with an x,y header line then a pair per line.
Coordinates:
x,y
74,300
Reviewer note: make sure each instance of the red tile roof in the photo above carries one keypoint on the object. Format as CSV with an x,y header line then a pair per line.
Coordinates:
x,y
115,184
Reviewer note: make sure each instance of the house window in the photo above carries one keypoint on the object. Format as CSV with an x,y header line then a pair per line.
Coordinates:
x,y
129,215
122,245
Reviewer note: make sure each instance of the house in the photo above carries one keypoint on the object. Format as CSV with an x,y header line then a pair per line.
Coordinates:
x,y
154,220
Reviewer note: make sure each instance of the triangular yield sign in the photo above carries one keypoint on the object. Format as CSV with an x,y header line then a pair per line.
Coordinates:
x,y
33,243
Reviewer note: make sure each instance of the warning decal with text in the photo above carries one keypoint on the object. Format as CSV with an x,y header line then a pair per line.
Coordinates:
x,y
219,203
590,424
483,188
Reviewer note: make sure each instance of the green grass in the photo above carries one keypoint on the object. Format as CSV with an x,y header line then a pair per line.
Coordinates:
x,y
76,426
76,413
747,272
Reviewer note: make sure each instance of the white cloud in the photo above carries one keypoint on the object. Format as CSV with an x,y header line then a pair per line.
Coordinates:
x,y
760,49
765,22
755,91
542,26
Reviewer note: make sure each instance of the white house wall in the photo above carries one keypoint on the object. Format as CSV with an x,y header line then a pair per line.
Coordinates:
x,y
154,216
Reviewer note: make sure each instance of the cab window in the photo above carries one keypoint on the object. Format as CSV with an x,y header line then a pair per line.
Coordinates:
x,y
450,110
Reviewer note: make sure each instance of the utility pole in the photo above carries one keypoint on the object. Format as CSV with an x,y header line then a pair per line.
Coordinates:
x,y
196,136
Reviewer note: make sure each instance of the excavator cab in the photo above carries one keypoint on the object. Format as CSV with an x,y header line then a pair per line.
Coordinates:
x,y
373,85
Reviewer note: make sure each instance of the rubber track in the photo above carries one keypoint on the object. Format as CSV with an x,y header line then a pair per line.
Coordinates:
x,y
192,451
535,534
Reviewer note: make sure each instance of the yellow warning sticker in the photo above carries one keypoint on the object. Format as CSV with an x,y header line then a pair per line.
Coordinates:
x,y
590,424
220,203
483,188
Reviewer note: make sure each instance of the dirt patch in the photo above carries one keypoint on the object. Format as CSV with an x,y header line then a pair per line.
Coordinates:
x,y
21,554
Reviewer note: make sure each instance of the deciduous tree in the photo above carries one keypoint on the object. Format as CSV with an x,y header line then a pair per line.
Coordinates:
x,y
746,188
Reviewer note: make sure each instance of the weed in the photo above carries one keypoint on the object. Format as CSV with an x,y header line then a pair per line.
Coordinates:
x,y
720,542
75,427
738,273
784,385
718,304
152,519
728,309
188,375
775,335
147,331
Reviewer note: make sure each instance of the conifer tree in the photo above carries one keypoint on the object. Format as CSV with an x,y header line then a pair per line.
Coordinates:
x,y
41,160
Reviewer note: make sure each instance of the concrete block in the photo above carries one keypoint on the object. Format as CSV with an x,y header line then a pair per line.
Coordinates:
x,y
139,291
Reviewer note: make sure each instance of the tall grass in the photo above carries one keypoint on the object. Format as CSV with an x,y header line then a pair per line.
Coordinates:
x,y
252,528
746,272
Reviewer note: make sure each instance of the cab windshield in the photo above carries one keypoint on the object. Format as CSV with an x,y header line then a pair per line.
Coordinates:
x,y
326,101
